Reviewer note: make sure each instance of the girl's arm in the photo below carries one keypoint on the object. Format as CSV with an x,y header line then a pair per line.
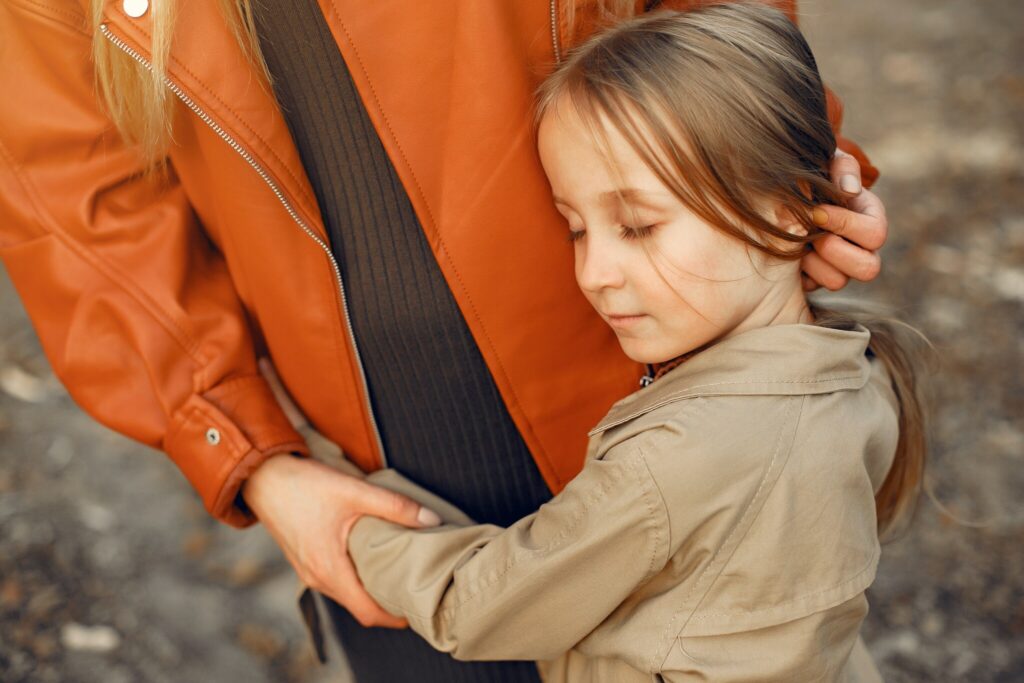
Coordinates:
x,y
530,591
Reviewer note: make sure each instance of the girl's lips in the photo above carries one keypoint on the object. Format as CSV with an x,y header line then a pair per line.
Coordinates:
x,y
624,320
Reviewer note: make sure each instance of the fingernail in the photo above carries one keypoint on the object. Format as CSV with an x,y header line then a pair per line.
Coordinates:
x,y
819,216
850,184
427,517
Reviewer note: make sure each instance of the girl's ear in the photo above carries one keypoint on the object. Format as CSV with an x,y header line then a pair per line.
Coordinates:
x,y
784,220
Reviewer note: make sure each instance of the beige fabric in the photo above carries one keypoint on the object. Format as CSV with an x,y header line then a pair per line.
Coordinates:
x,y
721,529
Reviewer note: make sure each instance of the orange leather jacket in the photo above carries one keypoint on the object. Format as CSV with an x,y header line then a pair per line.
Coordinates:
x,y
153,301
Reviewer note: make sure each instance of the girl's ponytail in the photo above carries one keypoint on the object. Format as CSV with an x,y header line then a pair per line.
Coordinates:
x,y
903,351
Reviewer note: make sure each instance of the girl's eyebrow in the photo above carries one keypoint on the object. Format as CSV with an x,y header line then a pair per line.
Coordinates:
x,y
631,194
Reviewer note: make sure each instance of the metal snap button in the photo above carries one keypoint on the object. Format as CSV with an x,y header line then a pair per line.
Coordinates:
x,y
212,436
135,8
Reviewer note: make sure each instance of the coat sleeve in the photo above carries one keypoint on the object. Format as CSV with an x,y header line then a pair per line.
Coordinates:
x,y
134,307
533,590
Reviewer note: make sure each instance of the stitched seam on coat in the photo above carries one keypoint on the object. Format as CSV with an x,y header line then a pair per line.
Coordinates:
x,y
269,150
111,272
776,449
515,559
651,487
236,384
595,497
689,393
739,613
239,120
514,398
48,12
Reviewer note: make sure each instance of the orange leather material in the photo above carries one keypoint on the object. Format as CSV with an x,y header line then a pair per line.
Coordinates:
x,y
487,214
869,174
151,299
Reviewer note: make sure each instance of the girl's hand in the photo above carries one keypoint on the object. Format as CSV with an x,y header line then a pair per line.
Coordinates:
x,y
851,251
309,509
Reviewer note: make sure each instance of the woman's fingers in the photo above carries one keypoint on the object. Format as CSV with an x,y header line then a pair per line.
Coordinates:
x,y
821,272
874,228
847,258
345,588
864,221
341,584
373,500
309,509
857,233
845,173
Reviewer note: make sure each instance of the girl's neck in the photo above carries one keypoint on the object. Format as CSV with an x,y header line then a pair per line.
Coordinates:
x,y
784,304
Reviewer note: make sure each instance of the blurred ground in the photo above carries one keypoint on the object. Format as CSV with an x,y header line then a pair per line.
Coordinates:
x,y
935,93
110,571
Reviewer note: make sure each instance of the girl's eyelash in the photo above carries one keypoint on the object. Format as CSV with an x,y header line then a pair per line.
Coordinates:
x,y
628,233
643,231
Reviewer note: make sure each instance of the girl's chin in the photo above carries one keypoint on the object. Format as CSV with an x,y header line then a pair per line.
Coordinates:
x,y
650,352
647,356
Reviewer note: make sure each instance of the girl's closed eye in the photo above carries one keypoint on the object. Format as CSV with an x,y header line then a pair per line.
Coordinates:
x,y
639,233
627,233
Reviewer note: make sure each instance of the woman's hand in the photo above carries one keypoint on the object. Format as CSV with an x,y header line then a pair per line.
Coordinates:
x,y
857,232
309,509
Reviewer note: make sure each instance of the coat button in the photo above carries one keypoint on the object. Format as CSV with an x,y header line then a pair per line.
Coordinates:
x,y
135,8
212,436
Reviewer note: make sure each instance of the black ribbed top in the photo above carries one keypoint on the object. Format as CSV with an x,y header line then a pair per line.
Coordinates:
x,y
441,418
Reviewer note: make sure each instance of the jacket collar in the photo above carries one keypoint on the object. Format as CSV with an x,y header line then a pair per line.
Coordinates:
x,y
784,360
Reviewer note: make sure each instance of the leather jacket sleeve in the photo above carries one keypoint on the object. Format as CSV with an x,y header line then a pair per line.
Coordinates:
x,y
134,306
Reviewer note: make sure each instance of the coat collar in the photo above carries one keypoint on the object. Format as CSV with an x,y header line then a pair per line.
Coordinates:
x,y
784,360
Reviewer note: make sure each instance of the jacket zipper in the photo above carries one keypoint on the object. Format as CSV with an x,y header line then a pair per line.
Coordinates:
x,y
205,118
554,32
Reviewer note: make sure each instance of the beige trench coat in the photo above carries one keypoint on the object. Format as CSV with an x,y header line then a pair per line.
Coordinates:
x,y
722,529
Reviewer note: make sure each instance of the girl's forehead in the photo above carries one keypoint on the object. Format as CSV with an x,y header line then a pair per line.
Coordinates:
x,y
593,145
616,135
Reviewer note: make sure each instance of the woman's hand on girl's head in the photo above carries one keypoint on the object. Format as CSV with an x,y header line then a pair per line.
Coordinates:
x,y
857,232
309,509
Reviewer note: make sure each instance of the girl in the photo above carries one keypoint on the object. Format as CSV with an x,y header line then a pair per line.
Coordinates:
x,y
725,525
328,170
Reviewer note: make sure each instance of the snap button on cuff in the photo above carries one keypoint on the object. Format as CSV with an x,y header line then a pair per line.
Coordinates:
x,y
135,8
212,436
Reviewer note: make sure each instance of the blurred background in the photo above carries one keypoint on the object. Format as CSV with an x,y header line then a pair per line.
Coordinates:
x,y
111,571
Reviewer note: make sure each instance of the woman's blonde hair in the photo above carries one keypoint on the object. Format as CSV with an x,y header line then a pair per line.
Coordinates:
x,y
726,107
142,108
137,99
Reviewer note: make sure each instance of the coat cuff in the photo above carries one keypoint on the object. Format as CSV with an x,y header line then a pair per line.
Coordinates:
x,y
219,438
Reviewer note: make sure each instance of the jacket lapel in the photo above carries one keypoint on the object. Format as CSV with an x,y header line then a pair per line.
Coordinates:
x,y
208,65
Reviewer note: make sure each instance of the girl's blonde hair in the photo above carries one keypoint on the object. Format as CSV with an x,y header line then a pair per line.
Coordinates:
x,y
726,107
142,108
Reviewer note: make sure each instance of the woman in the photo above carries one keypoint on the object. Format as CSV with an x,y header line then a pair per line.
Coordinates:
x,y
359,222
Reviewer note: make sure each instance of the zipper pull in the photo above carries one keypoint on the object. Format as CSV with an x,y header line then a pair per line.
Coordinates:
x,y
648,378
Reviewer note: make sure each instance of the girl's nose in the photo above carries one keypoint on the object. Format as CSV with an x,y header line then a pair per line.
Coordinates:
x,y
598,268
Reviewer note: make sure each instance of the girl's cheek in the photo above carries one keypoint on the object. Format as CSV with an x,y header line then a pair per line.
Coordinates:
x,y
693,257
